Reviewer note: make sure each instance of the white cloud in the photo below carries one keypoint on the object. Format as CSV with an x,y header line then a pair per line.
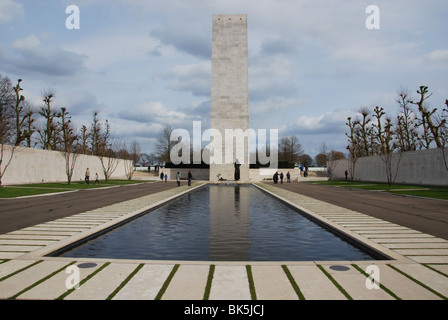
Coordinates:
x,y
328,123
440,55
156,113
194,78
9,9
29,56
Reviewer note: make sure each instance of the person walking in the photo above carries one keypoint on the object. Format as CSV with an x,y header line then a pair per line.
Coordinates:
x,y
288,177
97,180
161,176
178,178
87,177
166,177
281,177
190,176
275,178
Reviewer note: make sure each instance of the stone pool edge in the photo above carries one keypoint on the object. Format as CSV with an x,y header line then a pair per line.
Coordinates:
x,y
366,244
51,250
48,252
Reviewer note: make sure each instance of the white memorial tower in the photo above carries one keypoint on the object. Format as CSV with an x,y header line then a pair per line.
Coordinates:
x,y
229,98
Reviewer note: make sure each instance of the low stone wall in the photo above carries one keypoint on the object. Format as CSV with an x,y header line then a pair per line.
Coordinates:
x,y
255,175
198,174
424,167
35,165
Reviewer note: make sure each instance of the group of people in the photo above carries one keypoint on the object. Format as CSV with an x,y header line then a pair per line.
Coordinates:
x,y
87,177
178,178
277,176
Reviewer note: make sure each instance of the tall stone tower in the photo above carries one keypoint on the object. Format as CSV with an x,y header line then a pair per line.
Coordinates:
x,y
229,98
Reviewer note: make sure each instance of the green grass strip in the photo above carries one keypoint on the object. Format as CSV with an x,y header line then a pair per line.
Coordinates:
x,y
435,270
3,261
167,282
62,296
40,281
112,295
377,283
419,282
345,293
293,283
208,286
253,294
20,270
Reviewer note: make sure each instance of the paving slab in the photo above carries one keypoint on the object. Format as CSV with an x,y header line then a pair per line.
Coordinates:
x,y
59,283
314,284
429,259
146,284
103,283
400,285
11,266
441,268
188,283
230,283
22,280
18,248
20,236
271,283
354,282
426,276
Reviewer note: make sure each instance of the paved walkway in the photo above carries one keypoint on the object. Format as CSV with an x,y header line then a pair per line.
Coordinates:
x,y
28,211
418,268
425,215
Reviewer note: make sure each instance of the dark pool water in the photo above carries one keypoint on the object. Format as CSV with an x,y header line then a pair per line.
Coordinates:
x,y
221,223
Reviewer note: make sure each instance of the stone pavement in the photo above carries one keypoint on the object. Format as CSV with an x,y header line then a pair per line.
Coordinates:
x,y
417,270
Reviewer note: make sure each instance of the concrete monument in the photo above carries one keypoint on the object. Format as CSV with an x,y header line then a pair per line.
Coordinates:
x,y
230,99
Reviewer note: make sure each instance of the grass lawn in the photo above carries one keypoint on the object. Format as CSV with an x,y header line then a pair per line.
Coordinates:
x,y
43,188
413,190
11,192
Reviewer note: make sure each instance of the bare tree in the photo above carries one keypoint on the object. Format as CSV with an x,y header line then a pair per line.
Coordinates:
x,y
94,135
428,120
131,156
305,160
365,132
444,134
30,129
353,146
289,149
69,148
84,137
384,136
321,159
6,126
407,131
19,115
164,144
107,153
49,133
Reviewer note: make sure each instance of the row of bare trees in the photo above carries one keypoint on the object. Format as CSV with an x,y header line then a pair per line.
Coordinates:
x,y
51,128
416,126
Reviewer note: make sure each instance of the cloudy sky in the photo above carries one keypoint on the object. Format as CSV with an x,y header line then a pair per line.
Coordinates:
x,y
144,64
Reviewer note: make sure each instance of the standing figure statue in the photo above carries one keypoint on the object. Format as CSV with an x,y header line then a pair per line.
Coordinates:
x,y
237,170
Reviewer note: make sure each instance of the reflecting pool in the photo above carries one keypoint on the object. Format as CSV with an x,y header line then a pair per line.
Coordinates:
x,y
221,223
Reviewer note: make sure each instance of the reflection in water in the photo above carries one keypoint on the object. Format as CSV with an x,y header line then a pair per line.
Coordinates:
x,y
229,229
221,223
